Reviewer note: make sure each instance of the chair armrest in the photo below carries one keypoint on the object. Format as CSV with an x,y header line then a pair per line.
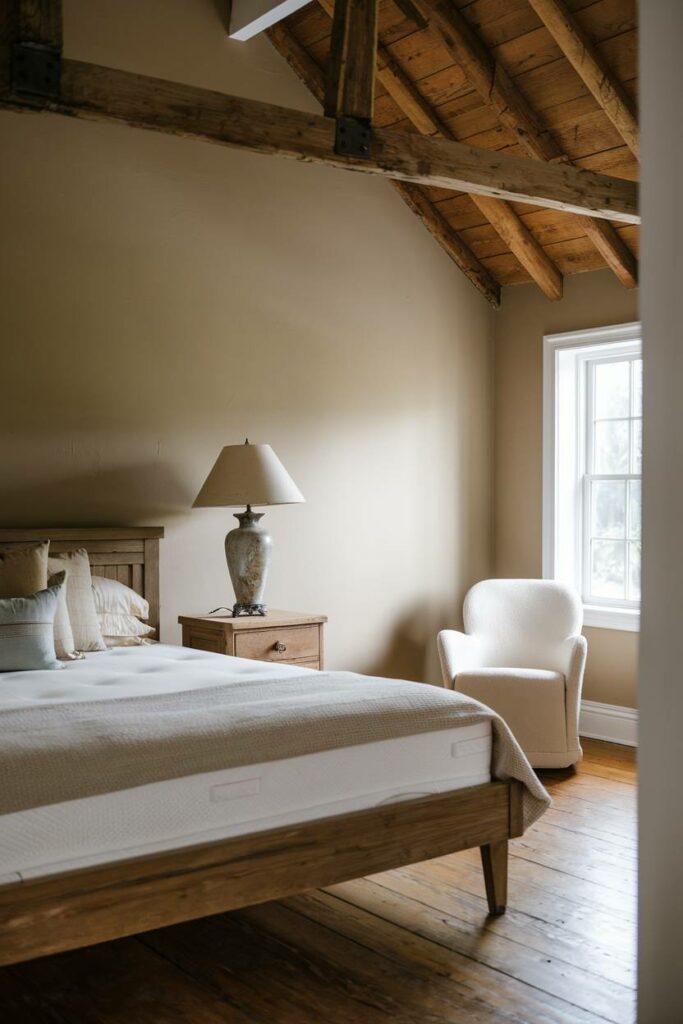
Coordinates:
x,y
578,649
457,652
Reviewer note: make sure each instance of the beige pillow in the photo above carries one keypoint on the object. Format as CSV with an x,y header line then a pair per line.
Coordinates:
x,y
79,599
23,571
65,649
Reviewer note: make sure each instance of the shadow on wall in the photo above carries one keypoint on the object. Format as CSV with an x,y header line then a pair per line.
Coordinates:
x,y
411,651
127,494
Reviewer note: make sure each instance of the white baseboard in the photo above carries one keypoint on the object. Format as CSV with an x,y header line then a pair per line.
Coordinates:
x,y
609,722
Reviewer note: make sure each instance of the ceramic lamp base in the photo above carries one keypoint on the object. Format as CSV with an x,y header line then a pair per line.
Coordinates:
x,y
247,550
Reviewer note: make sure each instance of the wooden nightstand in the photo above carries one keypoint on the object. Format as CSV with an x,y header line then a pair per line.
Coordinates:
x,y
289,637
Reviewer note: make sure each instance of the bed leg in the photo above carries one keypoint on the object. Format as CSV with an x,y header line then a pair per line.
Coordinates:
x,y
494,861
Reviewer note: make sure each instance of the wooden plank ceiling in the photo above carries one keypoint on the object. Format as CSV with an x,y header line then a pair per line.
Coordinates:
x,y
434,93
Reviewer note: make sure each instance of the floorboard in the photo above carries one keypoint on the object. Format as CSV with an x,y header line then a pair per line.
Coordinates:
x,y
412,946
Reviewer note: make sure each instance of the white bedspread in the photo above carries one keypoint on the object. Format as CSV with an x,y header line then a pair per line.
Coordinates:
x,y
134,672
132,716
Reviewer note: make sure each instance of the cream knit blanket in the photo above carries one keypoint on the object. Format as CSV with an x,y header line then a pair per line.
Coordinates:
x,y
57,752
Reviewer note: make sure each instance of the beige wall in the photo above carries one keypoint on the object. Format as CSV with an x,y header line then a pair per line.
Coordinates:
x,y
163,297
590,300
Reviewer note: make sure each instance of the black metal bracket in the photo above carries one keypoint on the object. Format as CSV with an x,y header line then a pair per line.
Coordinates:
x,y
248,609
352,137
36,69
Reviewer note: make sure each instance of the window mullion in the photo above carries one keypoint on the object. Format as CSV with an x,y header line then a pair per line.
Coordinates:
x,y
588,455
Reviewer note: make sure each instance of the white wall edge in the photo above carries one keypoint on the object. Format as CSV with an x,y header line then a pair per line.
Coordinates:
x,y
632,329
608,722
249,17
627,620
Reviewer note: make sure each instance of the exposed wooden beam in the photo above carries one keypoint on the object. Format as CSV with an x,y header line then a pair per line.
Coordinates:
x,y
350,88
299,59
497,89
500,214
415,198
591,68
107,94
449,240
522,244
39,21
612,248
30,48
7,36
487,77
405,95
399,87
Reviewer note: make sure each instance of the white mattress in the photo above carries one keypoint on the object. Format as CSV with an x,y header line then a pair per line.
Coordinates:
x,y
214,805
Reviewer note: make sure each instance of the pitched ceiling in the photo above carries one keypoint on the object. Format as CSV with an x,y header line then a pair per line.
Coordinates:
x,y
490,73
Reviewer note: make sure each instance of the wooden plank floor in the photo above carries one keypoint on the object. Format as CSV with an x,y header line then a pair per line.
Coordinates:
x,y
412,946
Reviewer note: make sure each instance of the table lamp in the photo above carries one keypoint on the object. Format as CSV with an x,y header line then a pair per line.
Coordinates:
x,y
248,474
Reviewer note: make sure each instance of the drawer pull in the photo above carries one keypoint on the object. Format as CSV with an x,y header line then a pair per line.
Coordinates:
x,y
280,647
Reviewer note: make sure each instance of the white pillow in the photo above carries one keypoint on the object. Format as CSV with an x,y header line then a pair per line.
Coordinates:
x,y
116,627
65,648
129,641
79,598
112,596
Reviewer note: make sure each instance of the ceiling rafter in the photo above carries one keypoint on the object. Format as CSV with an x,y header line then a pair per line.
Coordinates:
x,y
591,68
409,161
500,214
350,84
495,87
108,94
311,74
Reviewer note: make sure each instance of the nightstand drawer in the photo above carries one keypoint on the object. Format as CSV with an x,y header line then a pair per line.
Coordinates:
x,y
290,643
285,637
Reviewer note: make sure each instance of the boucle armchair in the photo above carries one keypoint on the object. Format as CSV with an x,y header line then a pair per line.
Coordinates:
x,y
523,655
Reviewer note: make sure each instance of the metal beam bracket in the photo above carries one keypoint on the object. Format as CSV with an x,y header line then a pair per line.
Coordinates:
x,y
36,69
352,137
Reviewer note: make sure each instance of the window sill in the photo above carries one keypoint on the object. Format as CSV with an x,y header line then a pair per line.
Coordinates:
x,y
626,619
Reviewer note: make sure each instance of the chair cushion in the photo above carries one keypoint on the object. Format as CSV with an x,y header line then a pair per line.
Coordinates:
x,y
532,702
524,622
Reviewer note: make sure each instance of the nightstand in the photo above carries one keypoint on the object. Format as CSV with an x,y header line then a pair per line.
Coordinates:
x,y
288,637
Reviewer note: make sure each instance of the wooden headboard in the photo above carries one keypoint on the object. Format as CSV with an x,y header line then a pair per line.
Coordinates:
x,y
129,554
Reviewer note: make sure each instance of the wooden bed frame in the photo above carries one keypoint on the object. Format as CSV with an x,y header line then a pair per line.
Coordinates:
x,y
129,554
89,905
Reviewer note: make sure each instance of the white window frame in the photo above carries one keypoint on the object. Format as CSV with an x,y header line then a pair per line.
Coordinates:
x,y
564,483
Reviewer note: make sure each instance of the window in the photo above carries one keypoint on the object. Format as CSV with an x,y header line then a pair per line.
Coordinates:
x,y
592,470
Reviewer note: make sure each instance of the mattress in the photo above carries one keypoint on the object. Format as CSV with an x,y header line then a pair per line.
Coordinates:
x,y
214,805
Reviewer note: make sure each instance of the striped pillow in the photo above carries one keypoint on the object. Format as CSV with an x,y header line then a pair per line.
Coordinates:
x,y
27,630
79,598
65,649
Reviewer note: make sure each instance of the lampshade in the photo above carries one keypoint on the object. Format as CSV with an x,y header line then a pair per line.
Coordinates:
x,y
247,474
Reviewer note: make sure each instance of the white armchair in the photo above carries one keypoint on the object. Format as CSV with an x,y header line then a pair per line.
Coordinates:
x,y
523,655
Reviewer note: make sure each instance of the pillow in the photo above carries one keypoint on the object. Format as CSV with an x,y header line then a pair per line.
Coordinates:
x,y
79,598
65,648
112,596
23,571
129,641
27,630
121,630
